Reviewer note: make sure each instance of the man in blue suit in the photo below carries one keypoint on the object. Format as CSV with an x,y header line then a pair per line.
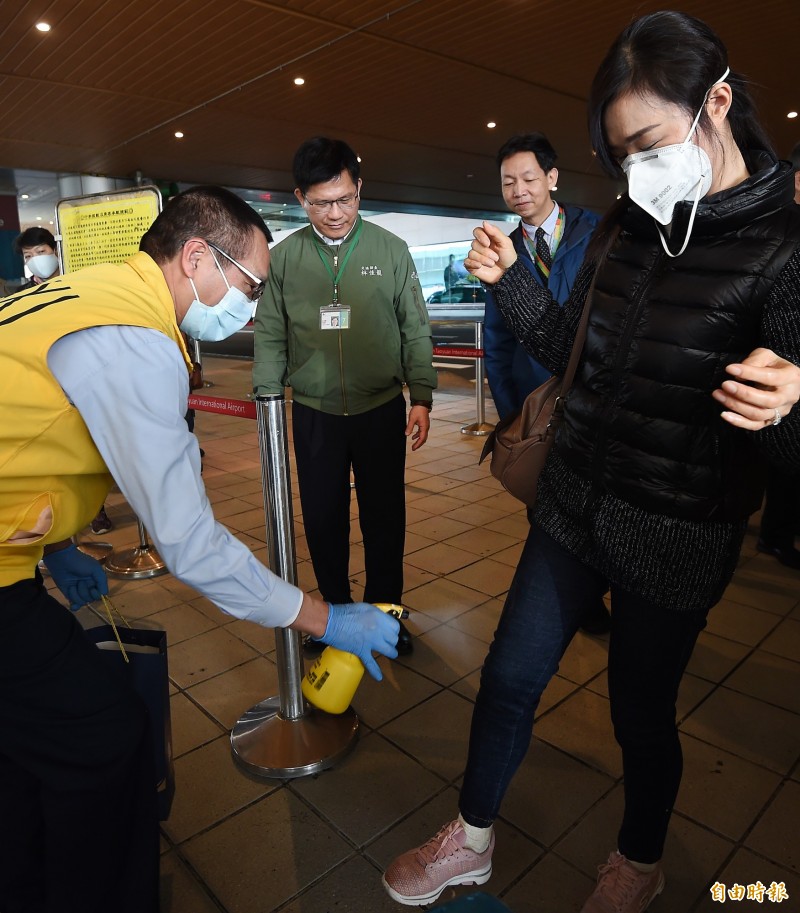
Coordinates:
x,y
528,176
551,241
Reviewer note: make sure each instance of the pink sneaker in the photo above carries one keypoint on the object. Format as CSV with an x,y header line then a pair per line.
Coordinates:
x,y
419,876
621,888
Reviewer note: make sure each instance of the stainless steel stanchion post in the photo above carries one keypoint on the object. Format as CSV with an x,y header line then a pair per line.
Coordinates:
x,y
197,356
479,427
283,736
136,563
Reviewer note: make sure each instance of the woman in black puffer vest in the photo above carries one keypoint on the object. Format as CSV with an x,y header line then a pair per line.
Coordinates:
x,y
686,385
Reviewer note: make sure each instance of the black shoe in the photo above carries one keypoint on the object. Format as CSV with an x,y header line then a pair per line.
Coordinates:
x,y
788,555
101,524
405,644
597,620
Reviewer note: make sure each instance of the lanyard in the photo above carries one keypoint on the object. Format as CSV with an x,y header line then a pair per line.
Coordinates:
x,y
558,232
344,262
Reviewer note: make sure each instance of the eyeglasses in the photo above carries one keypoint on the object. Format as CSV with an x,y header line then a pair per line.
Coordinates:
x,y
256,292
345,203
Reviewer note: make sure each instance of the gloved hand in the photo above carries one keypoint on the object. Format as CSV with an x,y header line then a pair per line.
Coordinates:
x,y
360,628
79,577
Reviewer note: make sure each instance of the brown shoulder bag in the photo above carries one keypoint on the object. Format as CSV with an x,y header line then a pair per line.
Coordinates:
x,y
519,444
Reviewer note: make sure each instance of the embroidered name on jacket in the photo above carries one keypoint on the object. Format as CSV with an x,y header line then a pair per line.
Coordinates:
x,y
371,271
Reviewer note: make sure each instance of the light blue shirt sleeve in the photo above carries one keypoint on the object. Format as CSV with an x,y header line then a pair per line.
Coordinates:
x,y
130,385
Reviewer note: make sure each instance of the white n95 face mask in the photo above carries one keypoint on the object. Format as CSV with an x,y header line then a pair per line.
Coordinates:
x,y
43,266
212,323
660,178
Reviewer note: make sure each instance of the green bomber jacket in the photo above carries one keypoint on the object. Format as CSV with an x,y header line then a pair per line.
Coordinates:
x,y
343,371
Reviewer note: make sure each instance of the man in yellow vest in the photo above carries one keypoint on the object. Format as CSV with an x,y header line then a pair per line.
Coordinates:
x,y
94,378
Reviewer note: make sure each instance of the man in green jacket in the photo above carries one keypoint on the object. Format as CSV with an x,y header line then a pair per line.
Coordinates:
x,y
343,322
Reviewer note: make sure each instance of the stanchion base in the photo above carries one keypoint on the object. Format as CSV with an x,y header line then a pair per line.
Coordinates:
x,y
135,563
478,428
100,551
267,745
209,383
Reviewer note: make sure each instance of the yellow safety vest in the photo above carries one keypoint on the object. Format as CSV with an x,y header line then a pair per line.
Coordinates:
x,y
52,477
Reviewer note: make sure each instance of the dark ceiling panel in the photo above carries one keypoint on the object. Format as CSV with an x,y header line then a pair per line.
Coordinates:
x,y
410,83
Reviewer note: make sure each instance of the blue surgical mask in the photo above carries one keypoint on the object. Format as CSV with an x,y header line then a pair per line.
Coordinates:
x,y
212,323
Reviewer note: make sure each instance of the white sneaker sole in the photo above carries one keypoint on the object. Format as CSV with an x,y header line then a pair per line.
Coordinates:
x,y
659,888
480,876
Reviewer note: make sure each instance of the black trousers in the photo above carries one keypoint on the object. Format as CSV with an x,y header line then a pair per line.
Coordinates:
x,y
373,444
78,811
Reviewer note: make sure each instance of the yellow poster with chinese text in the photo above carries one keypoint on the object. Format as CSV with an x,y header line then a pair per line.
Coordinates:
x,y
105,227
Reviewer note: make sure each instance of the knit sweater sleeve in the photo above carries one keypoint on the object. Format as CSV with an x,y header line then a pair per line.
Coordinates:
x,y
780,332
543,327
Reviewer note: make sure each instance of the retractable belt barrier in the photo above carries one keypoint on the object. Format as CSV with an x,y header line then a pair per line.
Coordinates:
x,y
457,352
480,426
241,408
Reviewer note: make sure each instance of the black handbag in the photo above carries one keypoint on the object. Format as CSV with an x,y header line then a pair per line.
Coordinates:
x,y
140,656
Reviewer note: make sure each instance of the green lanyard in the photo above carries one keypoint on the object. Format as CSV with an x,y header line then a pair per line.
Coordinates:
x,y
344,262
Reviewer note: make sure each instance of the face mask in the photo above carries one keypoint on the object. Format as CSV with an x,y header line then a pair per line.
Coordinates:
x,y
43,266
212,324
660,178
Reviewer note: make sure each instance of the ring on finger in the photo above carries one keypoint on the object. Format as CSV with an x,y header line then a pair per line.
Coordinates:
x,y
778,418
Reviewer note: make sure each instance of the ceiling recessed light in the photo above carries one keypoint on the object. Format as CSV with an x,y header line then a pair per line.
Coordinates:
x,y
299,81
792,114
38,218
470,175
491,125
43,26
24,196
178,134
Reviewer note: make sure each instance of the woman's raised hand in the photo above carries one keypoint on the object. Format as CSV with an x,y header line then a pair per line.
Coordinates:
x,y
492,253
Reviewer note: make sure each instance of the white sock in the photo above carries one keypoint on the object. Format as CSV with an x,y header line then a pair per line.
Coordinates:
x,y
477,837
643,867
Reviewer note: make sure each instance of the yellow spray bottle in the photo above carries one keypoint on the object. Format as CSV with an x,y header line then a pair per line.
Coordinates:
x,y
335,675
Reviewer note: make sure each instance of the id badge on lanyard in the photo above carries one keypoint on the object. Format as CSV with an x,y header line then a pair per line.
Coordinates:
x,y
334,317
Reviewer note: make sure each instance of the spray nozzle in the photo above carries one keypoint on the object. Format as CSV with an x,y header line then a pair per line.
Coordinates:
x,y
391,609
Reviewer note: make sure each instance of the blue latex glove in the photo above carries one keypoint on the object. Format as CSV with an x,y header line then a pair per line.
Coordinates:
x,y
79,577
360,628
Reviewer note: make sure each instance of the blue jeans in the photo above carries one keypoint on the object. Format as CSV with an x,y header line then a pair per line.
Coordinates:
x,y
649,648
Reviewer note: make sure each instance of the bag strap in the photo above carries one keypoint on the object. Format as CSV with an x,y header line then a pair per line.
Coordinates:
x,y
580,335
109,606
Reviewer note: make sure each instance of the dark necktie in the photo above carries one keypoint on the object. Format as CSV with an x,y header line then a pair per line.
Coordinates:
x,y
543,253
